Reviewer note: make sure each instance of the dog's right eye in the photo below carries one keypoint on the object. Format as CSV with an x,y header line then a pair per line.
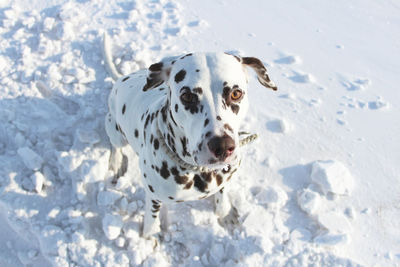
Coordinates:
x,y
188,98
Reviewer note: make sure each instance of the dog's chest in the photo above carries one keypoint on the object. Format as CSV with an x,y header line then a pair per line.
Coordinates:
x,y
169,182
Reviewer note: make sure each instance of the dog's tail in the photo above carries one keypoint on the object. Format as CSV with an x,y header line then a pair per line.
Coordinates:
x,y
109,64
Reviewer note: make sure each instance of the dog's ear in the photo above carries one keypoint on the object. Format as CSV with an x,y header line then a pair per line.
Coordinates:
x,y
159,73
261,71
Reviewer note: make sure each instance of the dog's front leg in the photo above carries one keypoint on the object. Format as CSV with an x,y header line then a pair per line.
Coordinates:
x,y
222,204
151,222
228,215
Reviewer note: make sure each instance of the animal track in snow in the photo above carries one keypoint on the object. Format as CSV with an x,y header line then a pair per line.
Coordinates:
x,y
288,60
302,78
352,102
279,126
354,84
377,104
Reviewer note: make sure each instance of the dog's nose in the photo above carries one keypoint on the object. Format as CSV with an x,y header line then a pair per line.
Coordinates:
x,y
221,146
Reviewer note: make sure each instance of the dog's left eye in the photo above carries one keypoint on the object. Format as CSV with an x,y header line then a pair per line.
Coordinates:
x,y
236,95
188,98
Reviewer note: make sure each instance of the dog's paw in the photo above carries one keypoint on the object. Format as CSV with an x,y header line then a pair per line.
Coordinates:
x,y
153,240
230,221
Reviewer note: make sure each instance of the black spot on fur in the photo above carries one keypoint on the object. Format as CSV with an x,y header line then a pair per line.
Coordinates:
x,y
206,122
164,110
181,179
188,185
188,55
156,144
212,161
154,78
219,179
178,178
123,109
197,70
218,118
208,134
207,176
164,172
156,67
172,118
156,208
151,188
176,107
198,90
200,146
174,171
147,121
155,211
228,127
171,130
126,78
172,198
151,83
235,108
199,183
136,133
184,142
193,104
170,141
225,93
180,76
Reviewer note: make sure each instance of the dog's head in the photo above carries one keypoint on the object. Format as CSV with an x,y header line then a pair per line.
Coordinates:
x,y
207,100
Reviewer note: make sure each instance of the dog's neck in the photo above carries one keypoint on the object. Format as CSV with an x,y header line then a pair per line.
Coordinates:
x,y
173,135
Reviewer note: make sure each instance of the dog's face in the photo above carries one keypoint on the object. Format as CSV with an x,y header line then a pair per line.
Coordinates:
x,y
208,100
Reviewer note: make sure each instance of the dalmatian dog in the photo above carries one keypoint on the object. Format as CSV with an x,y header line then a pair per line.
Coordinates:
x,y
182,116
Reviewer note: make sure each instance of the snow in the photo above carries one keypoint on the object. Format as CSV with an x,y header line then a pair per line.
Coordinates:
x,y
332,177
30,158
320,186
112,225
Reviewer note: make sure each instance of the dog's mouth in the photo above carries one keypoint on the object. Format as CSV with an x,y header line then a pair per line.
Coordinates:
x,y
231,159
